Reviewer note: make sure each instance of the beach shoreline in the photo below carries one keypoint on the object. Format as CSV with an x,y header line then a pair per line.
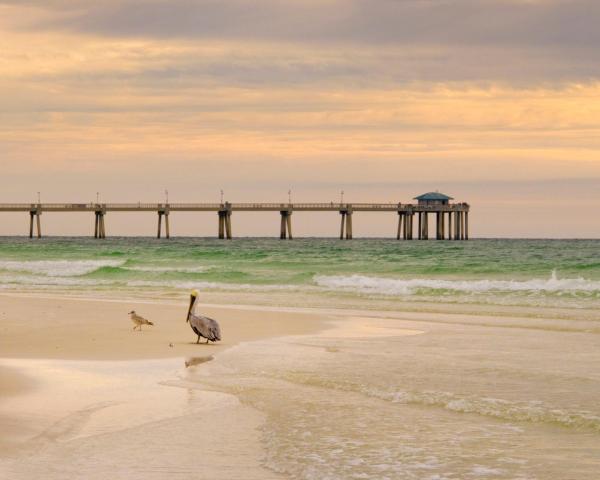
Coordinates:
x,y
79,388
77,367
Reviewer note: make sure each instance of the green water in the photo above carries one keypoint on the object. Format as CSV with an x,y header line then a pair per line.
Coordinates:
x,y
367,273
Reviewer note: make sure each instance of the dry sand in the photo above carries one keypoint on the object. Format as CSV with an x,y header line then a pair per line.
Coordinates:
x,y
34,327
69,366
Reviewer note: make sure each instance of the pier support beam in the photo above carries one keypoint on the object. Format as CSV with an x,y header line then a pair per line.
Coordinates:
x,y
400,221
425,226
408,225
462,225
349,225
286,225
164,213
99,230
102,227
442,225
456,225
466,225
420,226
35,214
228,226
222,215
346,224
449,225
225,221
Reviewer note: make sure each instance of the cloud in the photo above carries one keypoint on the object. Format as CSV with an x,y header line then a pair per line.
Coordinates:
x,y
348,41
449,22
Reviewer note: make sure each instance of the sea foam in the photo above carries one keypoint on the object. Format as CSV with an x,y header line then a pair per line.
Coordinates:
x,y
58,268
392,286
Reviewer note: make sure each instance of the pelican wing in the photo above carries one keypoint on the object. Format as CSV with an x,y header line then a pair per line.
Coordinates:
x,y
205,327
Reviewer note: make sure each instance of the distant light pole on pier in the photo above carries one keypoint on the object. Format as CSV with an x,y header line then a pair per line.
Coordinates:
x,y
97,197
221,196
290,196
341,197
39,198
166,197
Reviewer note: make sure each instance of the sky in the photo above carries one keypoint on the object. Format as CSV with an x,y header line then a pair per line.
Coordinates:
x,y
495,102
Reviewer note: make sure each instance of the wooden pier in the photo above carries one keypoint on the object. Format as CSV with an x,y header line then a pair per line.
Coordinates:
x,y
452,219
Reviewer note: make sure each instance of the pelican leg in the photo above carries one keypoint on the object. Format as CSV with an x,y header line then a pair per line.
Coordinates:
x,y
198,341
207,341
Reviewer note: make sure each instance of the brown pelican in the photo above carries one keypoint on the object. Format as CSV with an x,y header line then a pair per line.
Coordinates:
x,y
202,326
138,320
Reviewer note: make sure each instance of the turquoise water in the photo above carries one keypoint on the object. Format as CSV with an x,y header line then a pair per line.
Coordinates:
x,y
370,273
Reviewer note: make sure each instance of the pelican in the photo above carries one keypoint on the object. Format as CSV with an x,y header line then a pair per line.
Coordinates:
x,y
138,320
202,326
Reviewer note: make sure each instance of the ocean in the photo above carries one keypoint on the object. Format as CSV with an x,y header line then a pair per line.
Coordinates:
x,y
444,360
557,277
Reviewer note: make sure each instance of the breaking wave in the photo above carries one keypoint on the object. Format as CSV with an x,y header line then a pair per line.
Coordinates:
x,y
172,269
58,268
391,286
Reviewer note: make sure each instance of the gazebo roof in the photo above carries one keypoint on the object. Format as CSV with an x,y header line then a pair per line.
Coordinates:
x,y
433,196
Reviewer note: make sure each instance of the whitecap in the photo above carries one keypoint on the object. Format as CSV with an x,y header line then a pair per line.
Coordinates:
x,y
58,268
394,286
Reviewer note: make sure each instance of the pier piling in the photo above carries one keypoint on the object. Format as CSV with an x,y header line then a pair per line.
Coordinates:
x,y
400,221
222,215
349,225
163,211
286,225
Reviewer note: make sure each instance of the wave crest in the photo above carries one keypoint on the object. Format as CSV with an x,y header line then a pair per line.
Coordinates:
x,y
58,268
392,286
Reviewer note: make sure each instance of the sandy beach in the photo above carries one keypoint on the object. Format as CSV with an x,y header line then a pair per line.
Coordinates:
x,y
91,329
51,388
291,393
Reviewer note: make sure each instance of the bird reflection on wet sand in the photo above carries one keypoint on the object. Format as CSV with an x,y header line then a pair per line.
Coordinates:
x,y
190,362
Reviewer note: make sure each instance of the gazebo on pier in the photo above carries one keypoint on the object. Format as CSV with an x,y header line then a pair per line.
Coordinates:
x,y
433,198
437,203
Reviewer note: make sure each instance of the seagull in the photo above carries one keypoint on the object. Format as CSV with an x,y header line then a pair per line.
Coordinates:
x,y
138,320
202,326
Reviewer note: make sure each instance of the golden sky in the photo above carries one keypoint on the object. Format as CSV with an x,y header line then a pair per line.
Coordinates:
x,y
496,103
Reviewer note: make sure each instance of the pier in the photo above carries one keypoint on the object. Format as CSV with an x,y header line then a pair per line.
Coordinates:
x,y
451,219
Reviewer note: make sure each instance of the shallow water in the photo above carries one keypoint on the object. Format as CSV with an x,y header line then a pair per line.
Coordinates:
x,y
452,402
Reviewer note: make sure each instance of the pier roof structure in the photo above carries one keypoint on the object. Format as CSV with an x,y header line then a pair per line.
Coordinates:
x,y
433,196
